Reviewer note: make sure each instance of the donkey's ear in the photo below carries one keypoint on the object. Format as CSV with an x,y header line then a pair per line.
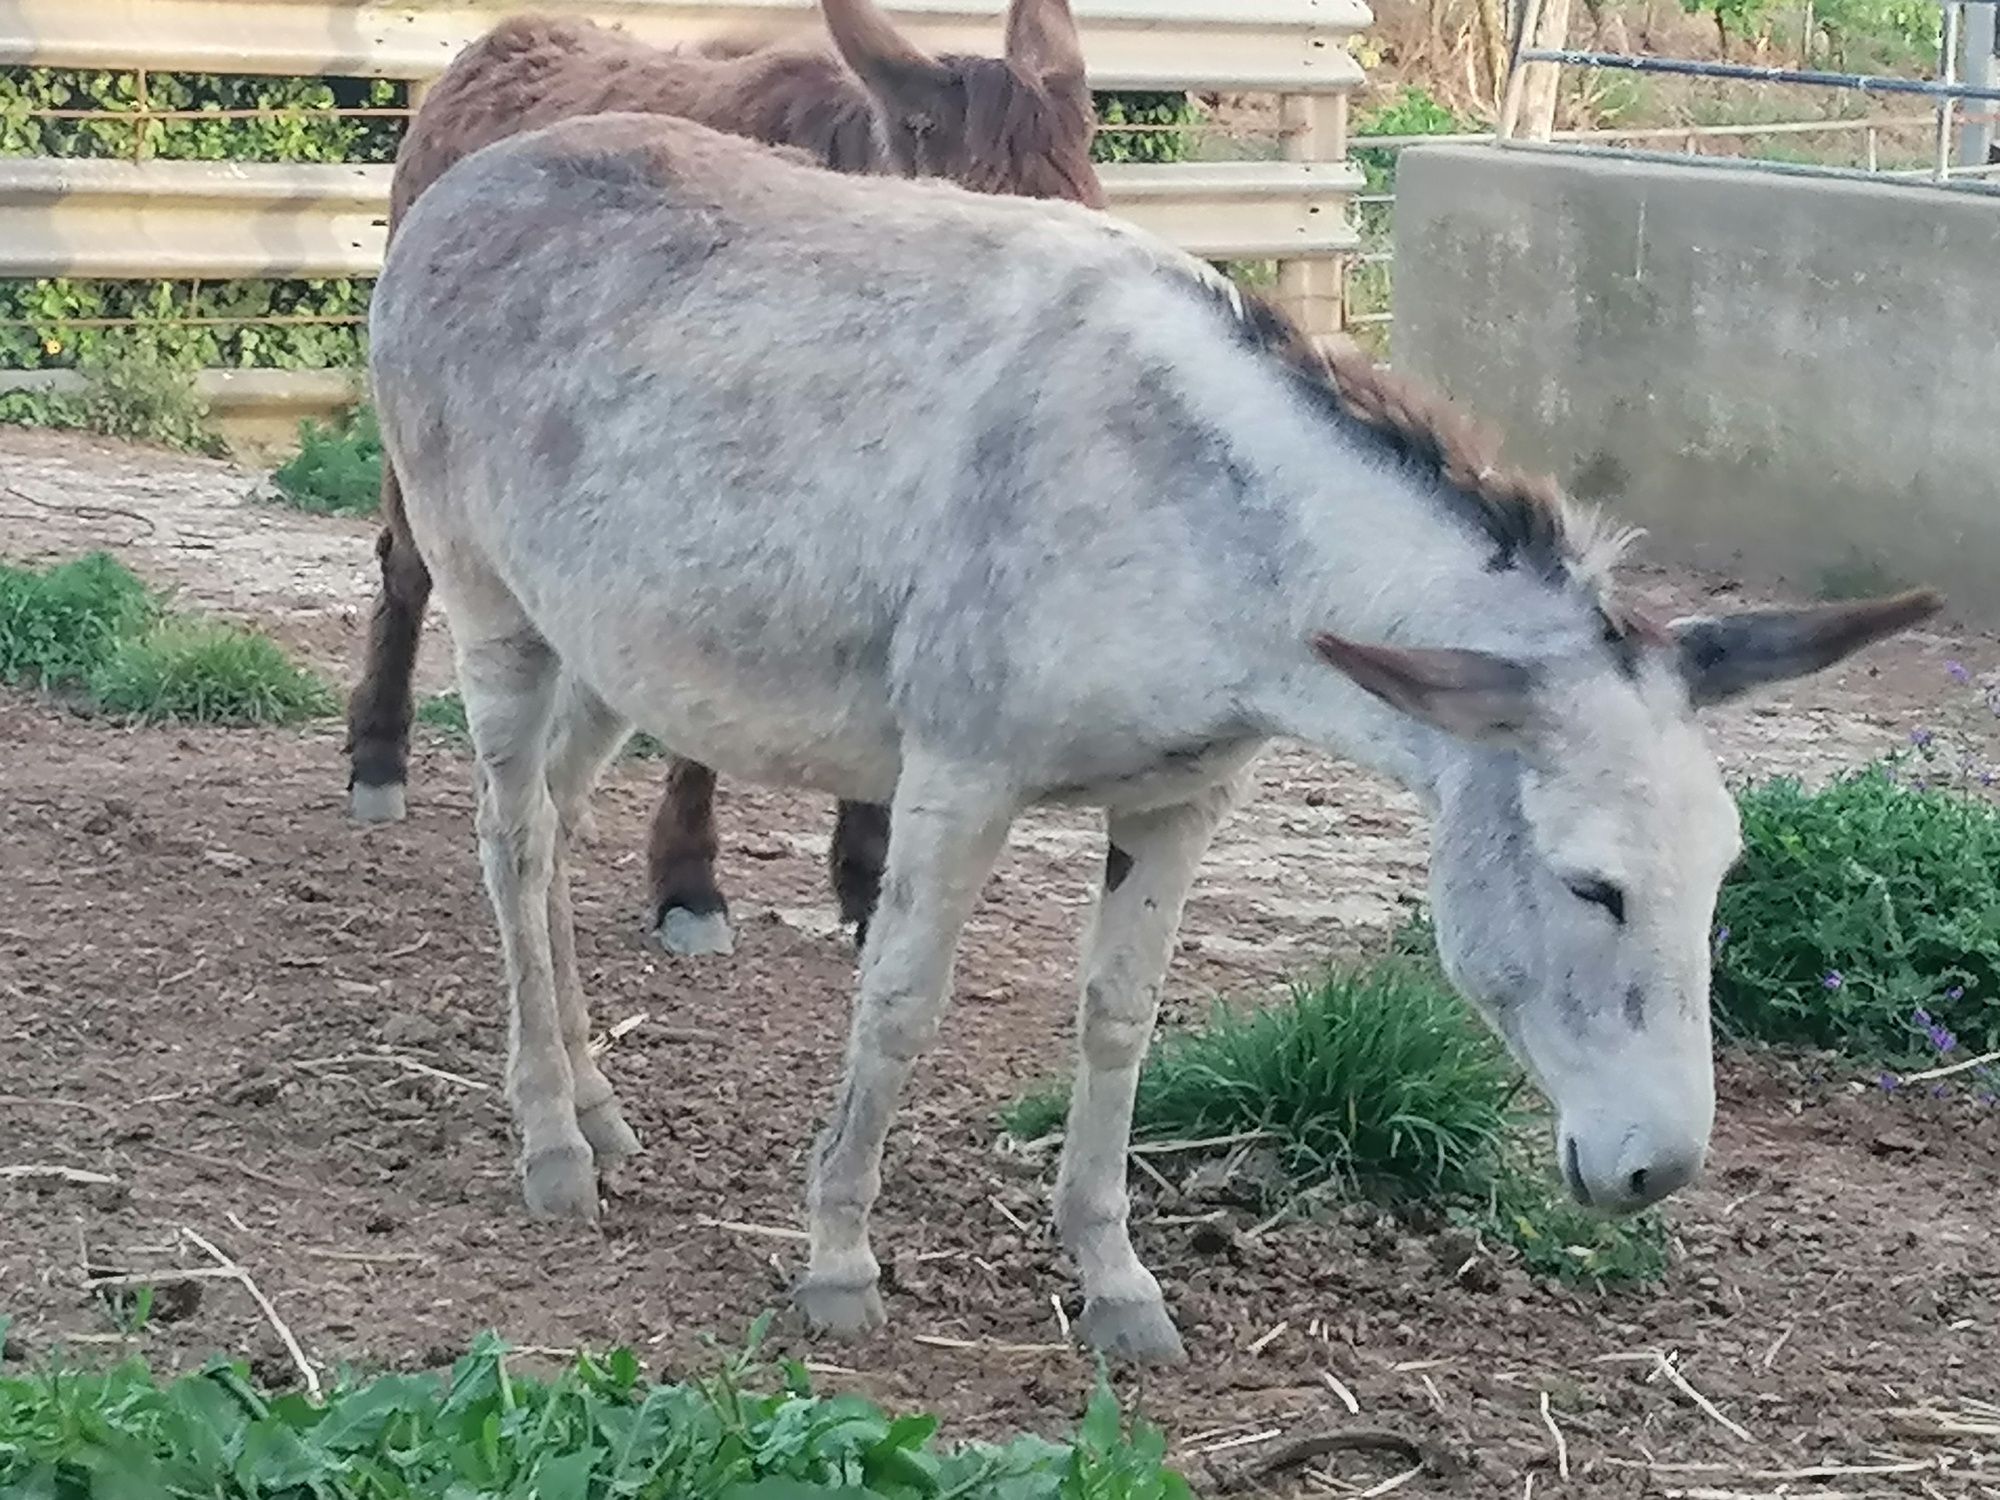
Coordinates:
x,y
1723,657
1042,41
1467,694
898,72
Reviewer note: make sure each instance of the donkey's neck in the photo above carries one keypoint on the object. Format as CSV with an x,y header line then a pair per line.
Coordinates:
x,y
1380,555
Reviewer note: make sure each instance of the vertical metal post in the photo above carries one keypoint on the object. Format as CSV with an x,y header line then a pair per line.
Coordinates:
x,y
1947,73
1975,136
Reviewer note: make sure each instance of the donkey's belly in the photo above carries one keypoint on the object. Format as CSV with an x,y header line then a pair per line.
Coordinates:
x,y
758,721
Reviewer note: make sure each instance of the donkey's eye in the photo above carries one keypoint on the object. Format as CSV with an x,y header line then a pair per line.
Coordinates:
x,y
1601,893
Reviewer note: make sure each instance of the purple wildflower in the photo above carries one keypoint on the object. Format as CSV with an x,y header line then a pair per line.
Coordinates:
x,y
1956,992
1922,738
1719,941
1922,1017
1956,671
1888,1083
1834,979
1940,1091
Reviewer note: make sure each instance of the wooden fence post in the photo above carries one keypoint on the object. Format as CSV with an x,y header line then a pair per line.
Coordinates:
x,y
1313,128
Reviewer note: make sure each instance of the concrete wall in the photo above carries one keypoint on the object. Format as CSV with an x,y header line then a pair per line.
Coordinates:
x,y
1793,376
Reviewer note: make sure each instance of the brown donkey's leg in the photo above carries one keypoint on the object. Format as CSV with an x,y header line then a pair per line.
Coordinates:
x,y
689,915
860,849
379,712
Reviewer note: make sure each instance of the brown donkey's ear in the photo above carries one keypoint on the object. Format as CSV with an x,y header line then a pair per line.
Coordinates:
x,y
899,73
1467,694
1042,40
1723,657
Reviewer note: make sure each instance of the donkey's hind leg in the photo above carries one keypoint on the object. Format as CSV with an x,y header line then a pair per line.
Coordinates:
x,y
585,736
950,822
509,677
380,709
860,848
690,916
1147,873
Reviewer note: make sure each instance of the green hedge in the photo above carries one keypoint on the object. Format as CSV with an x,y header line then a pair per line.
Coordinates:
x,y
37,317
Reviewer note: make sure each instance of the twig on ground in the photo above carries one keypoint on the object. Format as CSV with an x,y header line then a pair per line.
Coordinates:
x,y
365,1257
1556,1436
85,512
394,1060
407,949
1771,1353
22,1101
759,1231
986,1346
1314,1446
1340,1390
1266,1339
1168,1192
224,1164
1169,1148
1062,1318
1393,1483
617,1033
37,1172
1009,1215
278,1325
167,1276
1958,1067
1664,1366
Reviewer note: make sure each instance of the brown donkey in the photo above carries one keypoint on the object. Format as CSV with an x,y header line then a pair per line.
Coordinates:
x,y
1020,124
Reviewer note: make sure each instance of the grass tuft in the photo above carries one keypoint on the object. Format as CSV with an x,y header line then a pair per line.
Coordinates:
x,y
598,1429
91,626
58,625
208,672
1373,1077
337,470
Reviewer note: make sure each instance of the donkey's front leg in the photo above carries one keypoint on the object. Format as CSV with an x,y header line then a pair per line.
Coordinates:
x,y
1147,873
949,823
689,915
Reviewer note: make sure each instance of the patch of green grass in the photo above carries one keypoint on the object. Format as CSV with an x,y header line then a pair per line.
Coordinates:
x,y
207,672
337,470
1865,916
91,626
1376,1078
598,1430
445,712
59,624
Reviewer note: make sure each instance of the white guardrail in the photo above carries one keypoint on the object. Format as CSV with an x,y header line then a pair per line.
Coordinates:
x,y
211,220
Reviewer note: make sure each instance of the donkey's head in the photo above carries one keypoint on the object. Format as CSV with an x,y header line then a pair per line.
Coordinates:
x,y
1019,124
1582,833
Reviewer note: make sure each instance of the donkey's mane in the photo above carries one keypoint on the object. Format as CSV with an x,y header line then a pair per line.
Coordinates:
x,y
1529,520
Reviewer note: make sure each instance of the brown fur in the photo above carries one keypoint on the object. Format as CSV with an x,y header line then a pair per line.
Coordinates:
x,y
1021,124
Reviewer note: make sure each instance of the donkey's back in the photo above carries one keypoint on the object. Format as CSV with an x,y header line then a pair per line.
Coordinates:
x,y
847,451
534,70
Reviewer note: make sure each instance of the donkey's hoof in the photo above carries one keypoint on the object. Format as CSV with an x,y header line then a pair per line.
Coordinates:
x,y
843,1312
1137,1331
376,804
692,936
611,1139
561,1183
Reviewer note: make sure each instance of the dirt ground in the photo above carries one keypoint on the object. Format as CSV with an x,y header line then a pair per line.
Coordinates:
x,y
285,1033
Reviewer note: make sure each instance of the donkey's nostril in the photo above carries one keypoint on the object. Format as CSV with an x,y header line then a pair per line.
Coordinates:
x,y
1636,1185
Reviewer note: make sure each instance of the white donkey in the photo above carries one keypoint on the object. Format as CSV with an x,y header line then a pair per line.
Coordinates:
x,y
965,505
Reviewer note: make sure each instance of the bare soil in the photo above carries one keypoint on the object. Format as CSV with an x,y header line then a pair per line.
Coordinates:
x,y
286,1033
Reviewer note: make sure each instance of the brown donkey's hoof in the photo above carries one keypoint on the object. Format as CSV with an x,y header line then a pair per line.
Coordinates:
x,y
1141,1332
561,1183
695,936
840,1311
376,804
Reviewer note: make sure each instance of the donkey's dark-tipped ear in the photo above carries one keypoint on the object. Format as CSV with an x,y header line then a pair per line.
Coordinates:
x,y
1467,694
1724,657
899,73
1042,40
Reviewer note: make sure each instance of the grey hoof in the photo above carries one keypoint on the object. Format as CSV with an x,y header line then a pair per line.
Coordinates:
x,y
840,1311
561,1183
376,804
611,1139
1137,1331
692,936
